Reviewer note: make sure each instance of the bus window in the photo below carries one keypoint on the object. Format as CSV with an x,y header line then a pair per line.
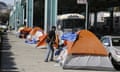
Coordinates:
x,y
59,22
73,23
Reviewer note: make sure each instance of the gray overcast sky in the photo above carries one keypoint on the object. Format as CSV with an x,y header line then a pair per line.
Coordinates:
x,y
8,1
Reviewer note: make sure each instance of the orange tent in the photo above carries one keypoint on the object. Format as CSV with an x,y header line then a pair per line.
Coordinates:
x,y
35,29
42,41
21,28
87,44
87,52
25,31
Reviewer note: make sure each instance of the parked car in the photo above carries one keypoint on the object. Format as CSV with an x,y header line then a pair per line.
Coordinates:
x,y
112,45
3,28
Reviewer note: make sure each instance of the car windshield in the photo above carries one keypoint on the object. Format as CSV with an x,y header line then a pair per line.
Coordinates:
x,y
73,23
116,41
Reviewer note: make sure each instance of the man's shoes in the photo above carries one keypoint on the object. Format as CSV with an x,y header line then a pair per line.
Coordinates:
x,y
51,60
46,61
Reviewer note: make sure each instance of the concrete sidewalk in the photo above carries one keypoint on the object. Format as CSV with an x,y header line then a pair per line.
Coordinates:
x,y
20,57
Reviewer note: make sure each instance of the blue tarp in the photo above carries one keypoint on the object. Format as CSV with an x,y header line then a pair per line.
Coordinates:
x,y
31,41
70,36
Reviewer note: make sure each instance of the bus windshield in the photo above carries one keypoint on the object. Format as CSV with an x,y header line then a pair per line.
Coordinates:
x,y
73,23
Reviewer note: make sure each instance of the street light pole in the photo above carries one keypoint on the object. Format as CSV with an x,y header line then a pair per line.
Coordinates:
x,y
86,9
15,24
50,14
29,13
86,22
46,16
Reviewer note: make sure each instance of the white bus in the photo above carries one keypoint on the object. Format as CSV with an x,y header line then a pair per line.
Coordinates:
x,y
68,22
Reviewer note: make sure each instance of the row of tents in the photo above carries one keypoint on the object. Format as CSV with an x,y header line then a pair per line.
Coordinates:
x,y
86,52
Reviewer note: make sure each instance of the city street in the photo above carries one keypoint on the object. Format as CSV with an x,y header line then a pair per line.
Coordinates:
x,y
20,57
86,34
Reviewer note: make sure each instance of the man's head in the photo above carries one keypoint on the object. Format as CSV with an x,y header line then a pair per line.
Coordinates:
x,y
53,28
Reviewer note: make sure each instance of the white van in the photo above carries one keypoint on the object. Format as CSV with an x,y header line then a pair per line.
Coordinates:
x,y
68,22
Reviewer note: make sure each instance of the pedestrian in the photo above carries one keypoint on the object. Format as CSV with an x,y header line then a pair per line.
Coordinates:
x,y
61,42
50,41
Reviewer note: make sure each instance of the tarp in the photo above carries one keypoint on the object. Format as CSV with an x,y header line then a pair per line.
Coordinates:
x,y
34,35
69,61
86,44
31,41
70,36
91,62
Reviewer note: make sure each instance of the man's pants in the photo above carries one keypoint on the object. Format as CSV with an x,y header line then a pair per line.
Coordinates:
x,y
50,50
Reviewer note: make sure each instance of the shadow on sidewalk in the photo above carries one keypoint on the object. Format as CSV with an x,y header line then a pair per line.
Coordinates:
x,y
7,58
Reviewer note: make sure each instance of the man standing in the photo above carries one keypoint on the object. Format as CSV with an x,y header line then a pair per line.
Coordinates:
x,y
50,41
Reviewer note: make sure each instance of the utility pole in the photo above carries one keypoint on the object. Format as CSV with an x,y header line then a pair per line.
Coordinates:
x,y
86,9
15,23
29,12
50,14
